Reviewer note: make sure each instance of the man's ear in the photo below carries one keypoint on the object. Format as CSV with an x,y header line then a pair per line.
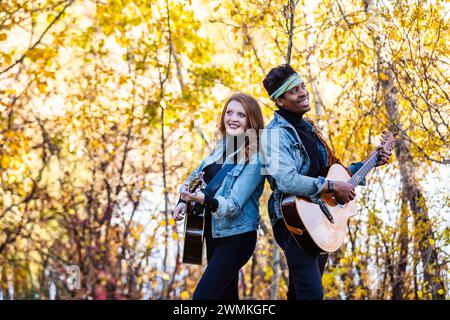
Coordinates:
x,y
278,102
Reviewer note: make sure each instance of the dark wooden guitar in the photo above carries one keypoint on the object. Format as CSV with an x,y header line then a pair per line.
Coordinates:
x,y
321,228
194,226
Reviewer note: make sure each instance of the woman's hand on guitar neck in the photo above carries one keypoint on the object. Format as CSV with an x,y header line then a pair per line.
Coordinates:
x,y
179,211
196,196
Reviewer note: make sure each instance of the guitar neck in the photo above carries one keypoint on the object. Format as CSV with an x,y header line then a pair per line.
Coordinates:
x,y
363,171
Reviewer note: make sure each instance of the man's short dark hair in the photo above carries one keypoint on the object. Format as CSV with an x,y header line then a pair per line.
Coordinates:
x,y
276,77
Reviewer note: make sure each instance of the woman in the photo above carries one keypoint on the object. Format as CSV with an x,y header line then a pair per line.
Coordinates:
x,y
232,213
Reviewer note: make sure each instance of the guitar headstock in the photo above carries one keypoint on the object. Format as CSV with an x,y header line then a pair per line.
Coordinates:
x,y
388,140
196,182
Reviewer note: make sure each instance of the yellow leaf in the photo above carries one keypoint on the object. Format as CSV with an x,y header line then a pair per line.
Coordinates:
x,y
2,37
122,80
42,87
172,221
185,295
5,162
420,294
11,178
268,273
16,165
383,77
431,241
50,18
441,292
7,58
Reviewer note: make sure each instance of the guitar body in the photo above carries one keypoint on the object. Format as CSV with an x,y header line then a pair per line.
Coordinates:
x,y
194,228
308,224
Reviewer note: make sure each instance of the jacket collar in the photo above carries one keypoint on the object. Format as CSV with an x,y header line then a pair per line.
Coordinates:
x,y
282,122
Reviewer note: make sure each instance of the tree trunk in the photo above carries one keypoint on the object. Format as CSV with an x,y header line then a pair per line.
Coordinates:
x,y
276,267
398,289
289,13
411,190
311,62
424,235
165,291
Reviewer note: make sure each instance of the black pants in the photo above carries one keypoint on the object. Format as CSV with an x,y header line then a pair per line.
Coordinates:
x,y
226,256
305,270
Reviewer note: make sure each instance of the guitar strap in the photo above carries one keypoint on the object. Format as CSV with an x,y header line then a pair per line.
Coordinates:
x,y
216,181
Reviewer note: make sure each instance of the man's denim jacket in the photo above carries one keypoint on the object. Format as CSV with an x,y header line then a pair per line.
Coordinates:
x,y
286,163
238,196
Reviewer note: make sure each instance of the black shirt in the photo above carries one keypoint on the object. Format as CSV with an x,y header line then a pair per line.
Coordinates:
x,y
211,204
308,138
211,170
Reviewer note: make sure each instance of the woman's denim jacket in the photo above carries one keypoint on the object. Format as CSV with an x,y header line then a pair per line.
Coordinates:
x,y
238,196
286,163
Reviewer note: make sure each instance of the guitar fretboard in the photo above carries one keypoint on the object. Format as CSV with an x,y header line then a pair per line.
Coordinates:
x,y
363,171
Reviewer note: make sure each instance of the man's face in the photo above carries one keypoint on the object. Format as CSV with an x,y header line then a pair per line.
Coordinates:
x,y
295,100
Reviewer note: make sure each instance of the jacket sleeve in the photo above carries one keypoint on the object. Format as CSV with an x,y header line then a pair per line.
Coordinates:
x,y
353,168
279,162
244,186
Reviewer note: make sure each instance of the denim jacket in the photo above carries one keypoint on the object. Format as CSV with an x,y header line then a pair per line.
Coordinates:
x,y
286,163
238,196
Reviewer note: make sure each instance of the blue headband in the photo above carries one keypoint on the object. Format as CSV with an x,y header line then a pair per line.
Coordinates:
x,y
291,82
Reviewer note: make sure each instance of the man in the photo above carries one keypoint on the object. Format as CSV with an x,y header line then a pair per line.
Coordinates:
x,y
295,152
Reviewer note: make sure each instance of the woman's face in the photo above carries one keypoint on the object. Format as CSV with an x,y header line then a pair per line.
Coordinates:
x,y
235,119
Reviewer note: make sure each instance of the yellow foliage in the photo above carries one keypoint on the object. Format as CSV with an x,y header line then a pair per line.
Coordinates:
x,y
42,87
383,77
106,77
268,273
184,295
5,162
12,178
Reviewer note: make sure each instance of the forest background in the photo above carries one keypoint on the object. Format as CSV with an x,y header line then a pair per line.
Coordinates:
x,y
107,106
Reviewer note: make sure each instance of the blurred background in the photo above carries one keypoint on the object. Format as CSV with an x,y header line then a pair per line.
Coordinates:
x,y
107,106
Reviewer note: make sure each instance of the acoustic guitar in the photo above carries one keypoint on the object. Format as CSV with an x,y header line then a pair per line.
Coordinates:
x,y
194,225
320,228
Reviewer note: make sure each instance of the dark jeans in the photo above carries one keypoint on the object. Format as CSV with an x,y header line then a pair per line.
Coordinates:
x,y
226,256
305,270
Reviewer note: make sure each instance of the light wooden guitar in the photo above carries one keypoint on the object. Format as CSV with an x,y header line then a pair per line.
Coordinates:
x,y
321,229
194,226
